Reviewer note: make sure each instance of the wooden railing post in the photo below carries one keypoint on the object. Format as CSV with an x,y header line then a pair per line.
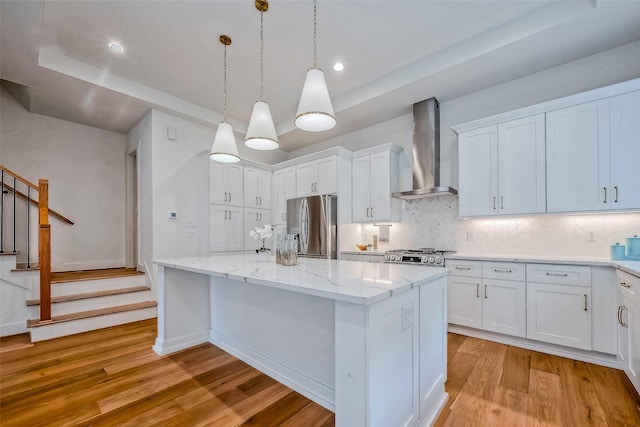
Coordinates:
x,y
44,250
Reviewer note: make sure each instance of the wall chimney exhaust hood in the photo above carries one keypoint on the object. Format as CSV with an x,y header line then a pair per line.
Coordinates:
x,y
426,153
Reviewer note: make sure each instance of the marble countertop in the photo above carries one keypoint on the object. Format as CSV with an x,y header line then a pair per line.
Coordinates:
x,y
351,281
631,267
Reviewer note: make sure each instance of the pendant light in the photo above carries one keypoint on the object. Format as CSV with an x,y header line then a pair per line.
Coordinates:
x,y
315,112
261,133
224,148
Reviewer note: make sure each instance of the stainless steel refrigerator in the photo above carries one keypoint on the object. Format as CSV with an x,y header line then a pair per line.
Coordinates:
x,y
313,219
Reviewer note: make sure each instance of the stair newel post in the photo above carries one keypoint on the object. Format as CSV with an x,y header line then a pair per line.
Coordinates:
x,y
44,250
2,214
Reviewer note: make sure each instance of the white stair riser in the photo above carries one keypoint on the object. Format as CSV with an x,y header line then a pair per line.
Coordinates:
x,y
55,330
84,286
76,306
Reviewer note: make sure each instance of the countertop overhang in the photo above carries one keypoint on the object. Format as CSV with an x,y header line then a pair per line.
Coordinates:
x,y
350,281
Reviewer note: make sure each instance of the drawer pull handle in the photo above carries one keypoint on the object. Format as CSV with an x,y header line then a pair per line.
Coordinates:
x,y
478,290
605,194
485,291
494,203
463,268
615,200
622,309
557,274
497,270
585,302
624,285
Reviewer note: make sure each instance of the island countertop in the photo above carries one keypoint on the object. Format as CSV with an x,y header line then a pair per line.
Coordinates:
x,y
350,281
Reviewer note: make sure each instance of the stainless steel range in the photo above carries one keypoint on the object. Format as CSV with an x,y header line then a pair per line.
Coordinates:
x,y
423,256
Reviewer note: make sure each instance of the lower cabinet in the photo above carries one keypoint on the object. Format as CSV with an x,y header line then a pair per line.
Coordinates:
x,y
486,303
629,326
226,228
559,314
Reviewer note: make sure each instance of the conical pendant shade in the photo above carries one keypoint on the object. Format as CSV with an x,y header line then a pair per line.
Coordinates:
x,y
315,112
224,148
261,134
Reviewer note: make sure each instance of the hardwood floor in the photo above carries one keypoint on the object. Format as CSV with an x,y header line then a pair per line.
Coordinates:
x,y
491,384
112,377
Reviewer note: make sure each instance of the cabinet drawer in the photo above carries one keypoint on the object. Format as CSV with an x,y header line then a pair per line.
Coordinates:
x,y
503,270
464,268
629,285
573,275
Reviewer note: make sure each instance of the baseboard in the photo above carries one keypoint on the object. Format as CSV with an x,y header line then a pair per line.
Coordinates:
x,y
308,387
163,347
603,359
13,329
434,410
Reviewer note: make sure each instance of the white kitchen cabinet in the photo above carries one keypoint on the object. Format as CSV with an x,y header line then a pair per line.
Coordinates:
x,y
254,218
478,171
629,326
317,177
489,303
284,188
226,184
578,158
625,151
464,305
226,228
375,177
502,168
559,314
257,188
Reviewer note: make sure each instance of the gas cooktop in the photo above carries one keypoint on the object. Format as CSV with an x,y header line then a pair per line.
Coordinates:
x,y
423,256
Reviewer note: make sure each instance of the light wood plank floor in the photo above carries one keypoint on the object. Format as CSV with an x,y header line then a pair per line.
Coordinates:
x,y
112,377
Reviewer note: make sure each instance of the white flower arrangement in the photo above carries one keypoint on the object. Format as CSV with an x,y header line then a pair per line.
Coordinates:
x,y
261,233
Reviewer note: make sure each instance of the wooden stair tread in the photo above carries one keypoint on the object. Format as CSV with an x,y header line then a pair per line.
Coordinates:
x,y
22,266
105,273
86,295
9,253
32,323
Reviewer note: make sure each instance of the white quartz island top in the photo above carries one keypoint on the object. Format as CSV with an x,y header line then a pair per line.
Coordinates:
x,y
350,281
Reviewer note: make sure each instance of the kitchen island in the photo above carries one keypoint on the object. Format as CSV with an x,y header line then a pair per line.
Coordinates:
x,y
365,340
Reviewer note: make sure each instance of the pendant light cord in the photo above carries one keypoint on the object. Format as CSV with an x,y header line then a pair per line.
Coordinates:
x,y
261,58
225,84
315,43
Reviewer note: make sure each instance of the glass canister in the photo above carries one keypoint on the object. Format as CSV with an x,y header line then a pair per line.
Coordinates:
x,y
279,247
617,251
633,248
290,249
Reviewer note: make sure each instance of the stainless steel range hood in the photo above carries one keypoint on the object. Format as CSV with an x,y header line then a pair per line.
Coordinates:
x,y
426,153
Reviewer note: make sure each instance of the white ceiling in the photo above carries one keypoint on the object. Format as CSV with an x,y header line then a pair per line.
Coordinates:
x,y
395,54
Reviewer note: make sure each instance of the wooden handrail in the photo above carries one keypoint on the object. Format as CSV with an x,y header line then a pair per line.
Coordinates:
x,y
24,180
35,203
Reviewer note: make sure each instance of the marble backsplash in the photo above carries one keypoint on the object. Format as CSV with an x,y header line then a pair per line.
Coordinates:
x,y
434,222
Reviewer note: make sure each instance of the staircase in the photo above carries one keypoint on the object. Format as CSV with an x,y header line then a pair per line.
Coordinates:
x,y
88,300
58,304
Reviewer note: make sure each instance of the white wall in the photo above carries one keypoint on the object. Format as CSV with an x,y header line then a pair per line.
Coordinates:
x,y
85,167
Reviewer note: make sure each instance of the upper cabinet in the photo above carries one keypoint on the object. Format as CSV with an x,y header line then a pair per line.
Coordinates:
x,y
226,184
257,188
375,177
502,168
592,155
578,173
317,177
625,150
574,154
284,188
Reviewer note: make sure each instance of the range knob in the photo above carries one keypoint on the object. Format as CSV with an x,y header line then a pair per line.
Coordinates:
x,y
397,258
438,260
423,260
431,260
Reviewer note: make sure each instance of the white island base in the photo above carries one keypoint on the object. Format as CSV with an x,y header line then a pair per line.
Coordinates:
x,y
367,341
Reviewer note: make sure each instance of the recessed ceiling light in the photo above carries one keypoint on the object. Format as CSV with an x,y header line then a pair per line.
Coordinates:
x,y
116,47
338,66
